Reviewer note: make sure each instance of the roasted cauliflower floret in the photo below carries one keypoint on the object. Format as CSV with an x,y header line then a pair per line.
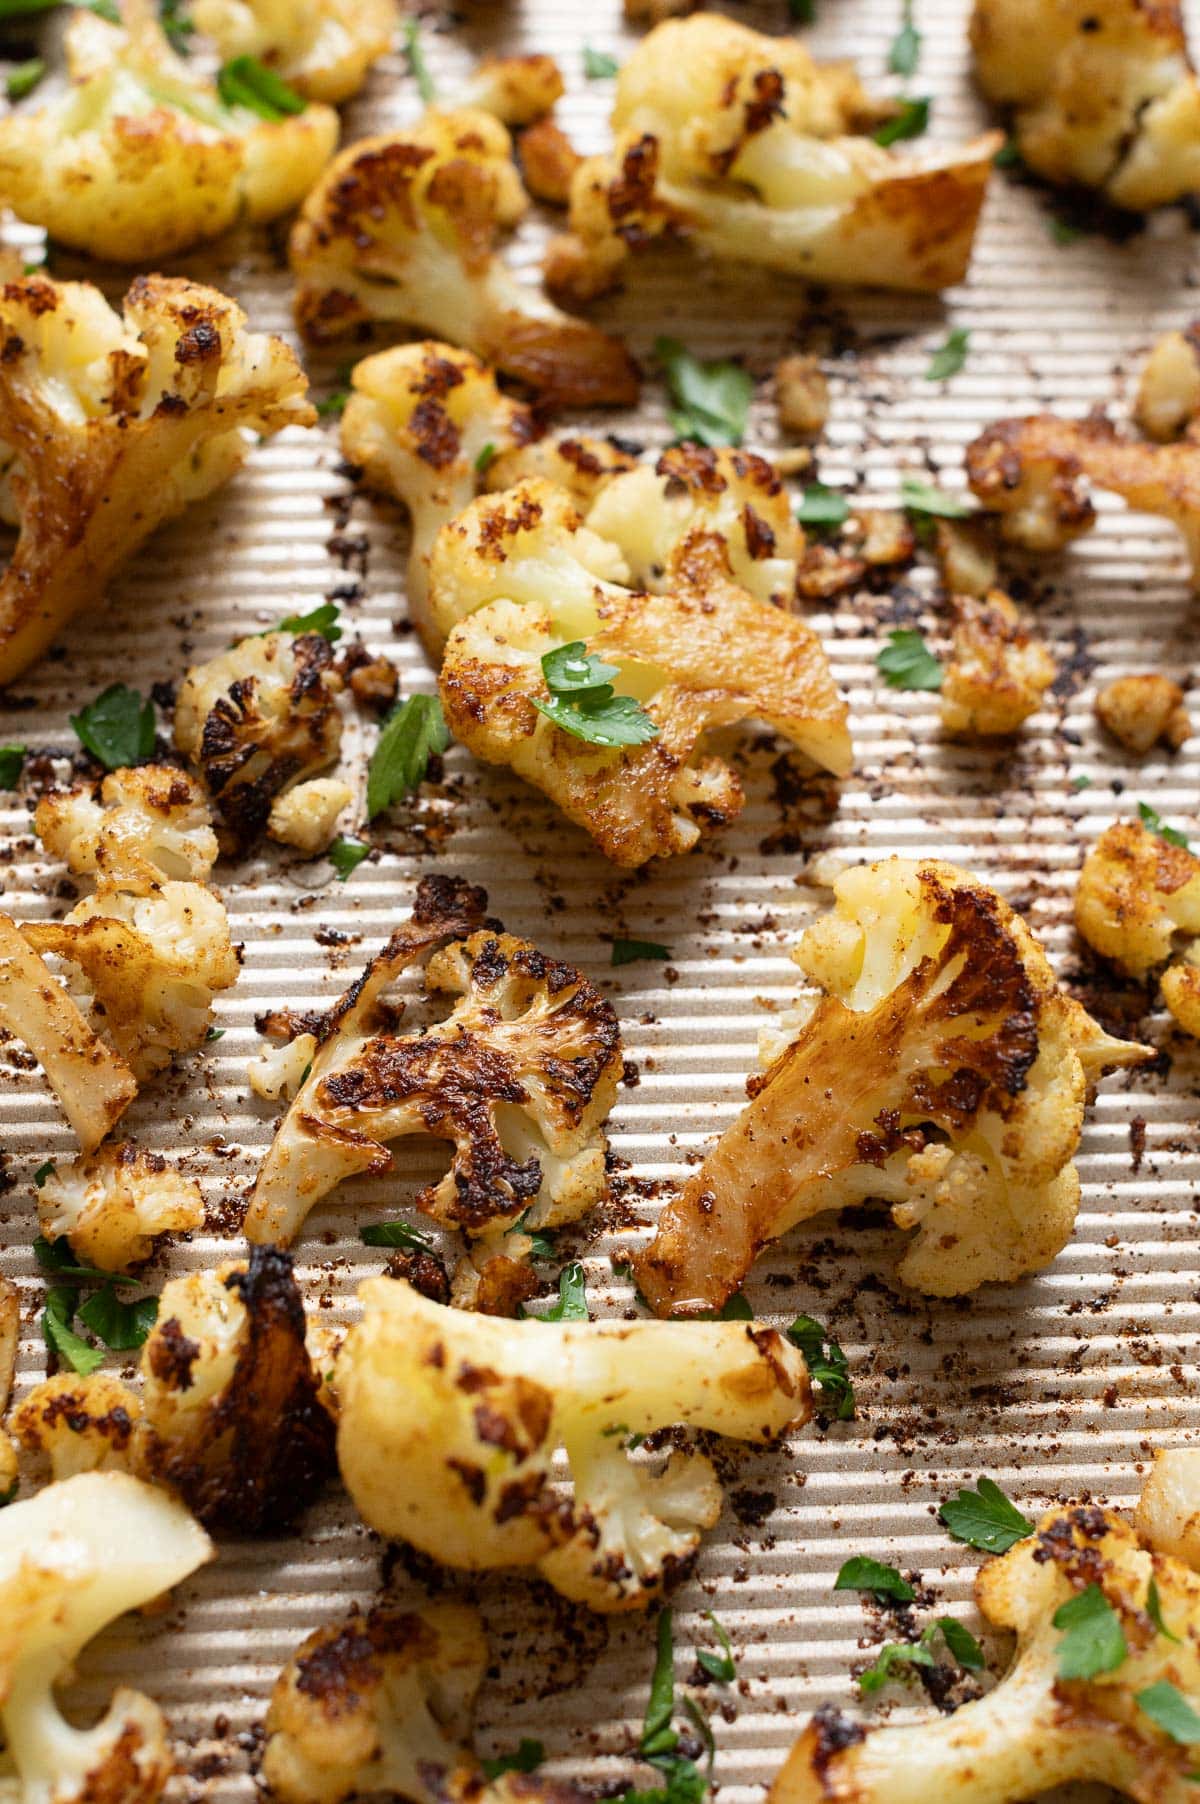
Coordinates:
x,y
139,158
305,817
93,1084
135,827
232,1417
1041,1726
450,1422
72,1559
519,1077
424,423
1144,711
114,1204
10,1339
548,162
1167,1516
403,228
998,670
1138,904
523,578
744,145
1102,95
516,89
80,1424
323,48
943,1070
258,720
111,424
801,395
1168,396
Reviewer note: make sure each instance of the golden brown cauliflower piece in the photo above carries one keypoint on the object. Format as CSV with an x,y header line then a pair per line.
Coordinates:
x,y
135,827
1102,94
744,145
1138,899
140,158
524,578
111,424
519,1077
113,1205
942,1069
10,1338
801,395
516,89
79,1424
1144,711
403,228
322,48
1168,396
548,162
1041,1726
258,720
998,669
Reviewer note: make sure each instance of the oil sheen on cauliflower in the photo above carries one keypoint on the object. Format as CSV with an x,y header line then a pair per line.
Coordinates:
x,y
322,48
943,1069
382,1702
998,669
1138,904
519,1077
743,145
113,1205
403,228
112,423
1103,94
139,158
1038,1730
449,1426
519,576
73,1559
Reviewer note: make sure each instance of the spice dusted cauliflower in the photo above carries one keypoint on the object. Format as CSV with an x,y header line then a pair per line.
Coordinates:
x,y
322,48
1053,1718
577,462
1144,711
746,147
232,1417
402,228
111,424
258,720
942,1070
998,669
1168,396
114,1204
1168,1511
134,828
450,1423
519,1078
10,1338
517,90
79,1424
523,579
1102,94
93,1084
139,158
424,423
73,1559
1138,904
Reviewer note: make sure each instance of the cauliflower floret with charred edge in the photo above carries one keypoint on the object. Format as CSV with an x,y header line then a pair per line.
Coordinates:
x,y
402,228
114,1204
517,90
1038,1730
257,720
943,1070
519,576
93,1084
323,48
1168,396
111,424
745,146
232,1417
422,423
1033,474
136,827
998,669
383,1702
1102,94
139,158
72,1559
80,1424
1138,904
1144,711
450,1423
519,1078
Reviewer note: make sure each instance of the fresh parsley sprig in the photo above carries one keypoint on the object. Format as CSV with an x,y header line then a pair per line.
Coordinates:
x,y
1151,818
827,1365
949,357
12,763
120,1325
905,51
1093,1639
906,662
526,1758
324,619
710,401
896,1658
584,703
395,1234
720,1667
985,1518
862,1573
413,733
117,727
247,83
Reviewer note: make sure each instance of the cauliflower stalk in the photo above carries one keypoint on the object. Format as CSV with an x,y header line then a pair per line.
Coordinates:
x,y
113,1205
519,577
449,1424
323,48
1138,904
746,147
943,1070
139,158
112,423
402,228
72,1559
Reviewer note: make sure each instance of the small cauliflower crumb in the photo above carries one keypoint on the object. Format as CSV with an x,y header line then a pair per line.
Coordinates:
x,y
1168,396
1142,711
306,816
801,395
966,557
998,669
114,1204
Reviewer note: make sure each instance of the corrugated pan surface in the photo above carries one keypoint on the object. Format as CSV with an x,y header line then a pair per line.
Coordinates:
x,y
1057,1386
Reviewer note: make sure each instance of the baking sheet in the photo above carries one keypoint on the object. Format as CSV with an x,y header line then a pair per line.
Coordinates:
x,y
1058,1386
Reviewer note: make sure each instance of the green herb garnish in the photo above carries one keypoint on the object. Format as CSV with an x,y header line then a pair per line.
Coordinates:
x,y
413,733
985,1518
710,401
117,727
245,82
906,662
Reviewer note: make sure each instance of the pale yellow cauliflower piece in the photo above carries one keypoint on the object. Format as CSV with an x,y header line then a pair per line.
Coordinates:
x,y
998,669
450,1424
1138,904
516,89
942,1069
1168,1511
79,1424
114,1204
743,145
403,227
1168,396
1143,711
139,158
136,826
1102,92
112,423
322,48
